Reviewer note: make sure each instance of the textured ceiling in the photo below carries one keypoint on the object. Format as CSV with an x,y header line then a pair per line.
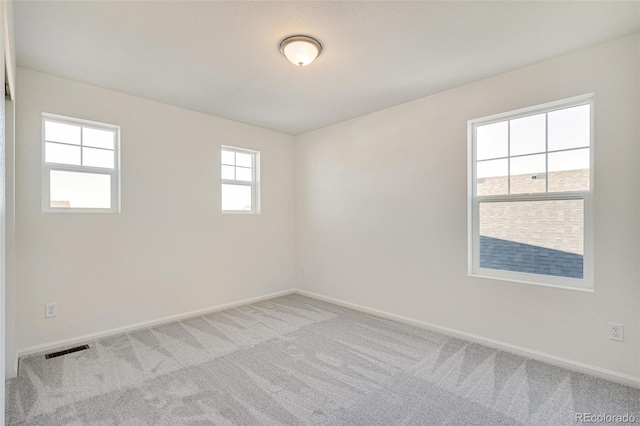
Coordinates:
x,y
222,58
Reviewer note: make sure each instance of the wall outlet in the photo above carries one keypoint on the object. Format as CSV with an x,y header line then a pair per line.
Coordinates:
x,y
50,310
616,332
303,272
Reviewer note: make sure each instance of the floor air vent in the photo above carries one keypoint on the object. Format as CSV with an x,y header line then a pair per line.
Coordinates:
x,y
66,351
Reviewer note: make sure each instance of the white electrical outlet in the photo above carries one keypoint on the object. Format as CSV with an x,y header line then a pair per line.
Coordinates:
x,y
616,332
50,310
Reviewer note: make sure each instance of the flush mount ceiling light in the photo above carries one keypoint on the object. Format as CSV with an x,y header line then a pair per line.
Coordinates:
x,y
301,50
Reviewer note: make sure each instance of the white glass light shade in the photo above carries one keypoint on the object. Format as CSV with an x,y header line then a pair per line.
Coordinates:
x,y
300,50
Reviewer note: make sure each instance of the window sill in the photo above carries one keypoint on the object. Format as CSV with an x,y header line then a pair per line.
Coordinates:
x,y
78,210
238,212
560,283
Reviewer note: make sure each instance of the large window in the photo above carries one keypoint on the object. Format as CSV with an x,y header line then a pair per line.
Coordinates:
x,y
240,170
80,161
530,194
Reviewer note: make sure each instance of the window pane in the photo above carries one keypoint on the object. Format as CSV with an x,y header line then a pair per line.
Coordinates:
x,y
569,170
97,158
58,132
537,237
528,174
570,128
80,190
528,135
236,197
244,174
228,157
62,154
244,160
228,172
492,177
492,141
98,138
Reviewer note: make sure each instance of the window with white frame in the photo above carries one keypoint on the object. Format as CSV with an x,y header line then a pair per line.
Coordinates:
x,y
80,165
240,170
530,194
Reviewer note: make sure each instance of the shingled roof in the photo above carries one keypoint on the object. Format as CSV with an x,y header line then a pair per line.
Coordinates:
x,y
511,256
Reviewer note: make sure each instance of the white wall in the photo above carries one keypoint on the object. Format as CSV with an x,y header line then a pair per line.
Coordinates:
x,y
170,250
382,212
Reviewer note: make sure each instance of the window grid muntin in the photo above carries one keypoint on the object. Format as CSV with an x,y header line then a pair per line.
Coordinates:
x,y
526,155
508,158
81,145
236,166
546,152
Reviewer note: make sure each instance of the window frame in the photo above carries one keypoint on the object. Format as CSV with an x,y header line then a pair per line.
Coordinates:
x,y
48,167
586,283
254,184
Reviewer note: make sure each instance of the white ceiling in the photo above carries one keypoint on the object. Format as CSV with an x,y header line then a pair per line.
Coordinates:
x,y
222,58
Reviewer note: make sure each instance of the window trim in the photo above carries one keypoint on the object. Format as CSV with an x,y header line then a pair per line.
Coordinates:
x,y
254,184
48,167
473,202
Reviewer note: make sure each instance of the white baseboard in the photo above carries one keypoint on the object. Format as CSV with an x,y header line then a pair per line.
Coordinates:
x,y
569,364
61,344
13,372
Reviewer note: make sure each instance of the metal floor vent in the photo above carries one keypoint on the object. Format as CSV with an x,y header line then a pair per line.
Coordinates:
x,y
66,351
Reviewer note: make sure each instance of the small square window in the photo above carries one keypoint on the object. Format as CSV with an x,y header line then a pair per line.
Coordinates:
x,y
80,165
240,190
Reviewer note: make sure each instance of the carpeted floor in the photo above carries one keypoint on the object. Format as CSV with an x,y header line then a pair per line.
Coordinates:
x,y
298,361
